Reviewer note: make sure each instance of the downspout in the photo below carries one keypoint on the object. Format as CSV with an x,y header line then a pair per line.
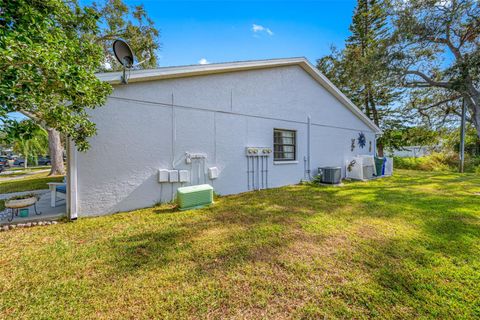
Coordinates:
x,y
174,133
375,144
174,139
72,192
309,124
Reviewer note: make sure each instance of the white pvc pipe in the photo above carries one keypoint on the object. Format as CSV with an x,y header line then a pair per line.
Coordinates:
x,y
309,124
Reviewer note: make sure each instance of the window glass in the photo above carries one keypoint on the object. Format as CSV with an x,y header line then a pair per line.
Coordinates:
x,y
284,145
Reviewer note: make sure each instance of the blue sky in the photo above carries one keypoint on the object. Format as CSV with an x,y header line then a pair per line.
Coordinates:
x,y
220,31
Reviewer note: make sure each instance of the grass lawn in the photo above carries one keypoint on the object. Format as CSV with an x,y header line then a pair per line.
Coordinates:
x,y
29,168
404,247
30,182
15,173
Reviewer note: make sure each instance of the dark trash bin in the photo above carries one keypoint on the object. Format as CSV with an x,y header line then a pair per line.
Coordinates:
x,y
380,166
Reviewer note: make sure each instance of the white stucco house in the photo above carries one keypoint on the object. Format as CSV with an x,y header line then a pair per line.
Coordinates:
x,y
201,120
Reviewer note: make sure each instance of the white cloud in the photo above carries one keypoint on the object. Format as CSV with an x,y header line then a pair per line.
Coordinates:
x,y
256,28
203,61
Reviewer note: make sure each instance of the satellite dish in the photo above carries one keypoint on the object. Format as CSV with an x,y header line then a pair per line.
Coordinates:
x,y
124,55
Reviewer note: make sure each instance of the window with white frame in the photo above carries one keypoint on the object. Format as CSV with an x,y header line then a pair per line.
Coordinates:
x,y
284,145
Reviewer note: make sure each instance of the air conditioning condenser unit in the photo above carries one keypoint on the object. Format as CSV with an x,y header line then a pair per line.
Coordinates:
x,y
330,175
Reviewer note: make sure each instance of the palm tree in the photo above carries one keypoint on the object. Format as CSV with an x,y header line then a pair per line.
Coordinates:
x,y
27,138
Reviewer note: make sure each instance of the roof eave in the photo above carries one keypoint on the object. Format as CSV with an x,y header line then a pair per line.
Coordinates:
x,y
114,78
327,84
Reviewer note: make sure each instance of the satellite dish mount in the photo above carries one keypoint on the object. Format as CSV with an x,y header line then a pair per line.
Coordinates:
x,y
124,55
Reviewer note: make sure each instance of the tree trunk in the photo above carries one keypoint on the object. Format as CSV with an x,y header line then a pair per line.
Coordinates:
x,y
366,103
376,120
475,112
380,149
472,98
55,149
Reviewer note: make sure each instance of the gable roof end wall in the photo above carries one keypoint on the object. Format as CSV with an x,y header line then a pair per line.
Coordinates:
x,y
114,78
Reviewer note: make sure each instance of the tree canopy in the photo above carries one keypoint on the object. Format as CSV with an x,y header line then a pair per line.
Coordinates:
x,y
411,63
49,59
51,50
362,70
117,20
437,55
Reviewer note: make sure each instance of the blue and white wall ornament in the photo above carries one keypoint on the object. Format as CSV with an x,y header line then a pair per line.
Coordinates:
x,y
362,141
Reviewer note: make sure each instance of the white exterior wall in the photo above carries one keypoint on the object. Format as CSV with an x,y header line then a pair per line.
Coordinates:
x,y
150,125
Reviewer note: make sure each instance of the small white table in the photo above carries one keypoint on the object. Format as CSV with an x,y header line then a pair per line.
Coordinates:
x,y
53,192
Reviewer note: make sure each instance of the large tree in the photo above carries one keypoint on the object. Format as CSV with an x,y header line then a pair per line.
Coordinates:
x,y
90,31
362,70
48,60
438,56
116,20
133,24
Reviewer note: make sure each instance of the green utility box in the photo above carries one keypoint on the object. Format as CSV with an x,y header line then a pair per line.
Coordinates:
x,y
379,166
194,196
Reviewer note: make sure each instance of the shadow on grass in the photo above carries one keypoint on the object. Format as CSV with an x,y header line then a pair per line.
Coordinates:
x,y
290,205
238,229
447,220
403,247
254,227
419,279
163,209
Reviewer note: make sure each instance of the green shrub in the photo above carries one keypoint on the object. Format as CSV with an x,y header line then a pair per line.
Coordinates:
x,y
477,170
438,162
